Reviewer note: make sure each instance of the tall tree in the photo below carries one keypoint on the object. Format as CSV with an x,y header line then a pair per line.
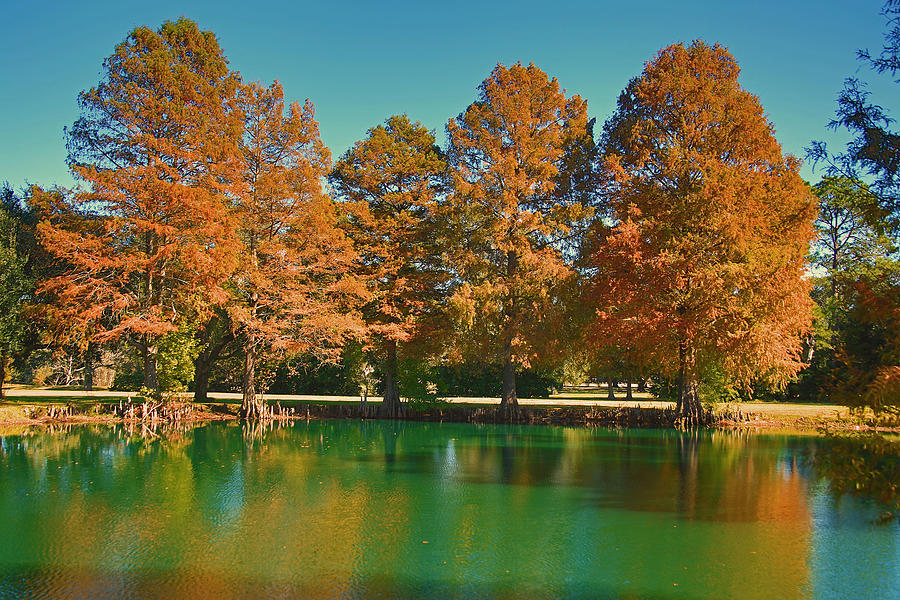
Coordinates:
x,y
391,182
155,146
855,347
865,371
851,230
294,288
16,282
704,267
873,152
864,306
517,210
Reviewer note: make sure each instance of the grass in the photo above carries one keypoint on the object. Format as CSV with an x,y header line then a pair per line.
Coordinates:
x,y
753,414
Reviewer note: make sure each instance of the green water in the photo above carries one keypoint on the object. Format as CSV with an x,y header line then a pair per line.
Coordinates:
x,y
343,509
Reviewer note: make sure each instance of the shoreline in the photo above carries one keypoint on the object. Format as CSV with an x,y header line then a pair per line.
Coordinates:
x,y
768,417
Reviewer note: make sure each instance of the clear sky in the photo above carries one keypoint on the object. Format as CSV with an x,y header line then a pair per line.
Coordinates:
x,y
360,62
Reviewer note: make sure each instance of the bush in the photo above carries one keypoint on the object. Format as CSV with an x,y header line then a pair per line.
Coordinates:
x,y
486,380
308,374
128,380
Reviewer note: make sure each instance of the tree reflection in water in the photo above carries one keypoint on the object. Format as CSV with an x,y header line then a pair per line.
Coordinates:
x,y
865,465
384,509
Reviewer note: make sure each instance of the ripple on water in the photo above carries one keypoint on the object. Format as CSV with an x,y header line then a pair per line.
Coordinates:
x,y
369,510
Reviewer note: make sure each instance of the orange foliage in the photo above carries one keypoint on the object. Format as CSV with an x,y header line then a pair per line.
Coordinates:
x,y
293,287
391,182
149,240
869,376
507,149
705,264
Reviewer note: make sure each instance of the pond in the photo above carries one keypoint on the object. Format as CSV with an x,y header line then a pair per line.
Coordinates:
x,y
349,509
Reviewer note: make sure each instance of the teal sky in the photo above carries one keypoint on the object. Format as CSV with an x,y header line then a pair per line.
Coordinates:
x,y
361,62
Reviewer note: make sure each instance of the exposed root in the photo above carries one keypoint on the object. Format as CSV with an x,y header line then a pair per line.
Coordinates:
x,y
260,410
154,412
508,412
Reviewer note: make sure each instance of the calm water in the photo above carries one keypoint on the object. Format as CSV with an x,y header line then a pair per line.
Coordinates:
x,y
380,510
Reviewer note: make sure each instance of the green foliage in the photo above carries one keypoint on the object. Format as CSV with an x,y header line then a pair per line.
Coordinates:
x,y
128,380
663,388
717,386
423,383
852,237
357,367
485,380
417,380
177,351
873,151
16,284
856,338
175,363
14,287
575,369
427,404
308,374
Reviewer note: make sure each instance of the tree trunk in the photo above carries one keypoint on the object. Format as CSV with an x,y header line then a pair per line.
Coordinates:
x,y
152,297
89,367
213,340
202,367
390,408
203,362
509,401
642,384
253,407
628,394
833,274
682,350
151,359
610,389
688,407
2,372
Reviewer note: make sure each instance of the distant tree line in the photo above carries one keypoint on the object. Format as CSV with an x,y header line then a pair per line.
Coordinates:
x,y
211,242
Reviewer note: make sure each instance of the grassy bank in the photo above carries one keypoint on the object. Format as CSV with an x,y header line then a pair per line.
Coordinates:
x,y
41,407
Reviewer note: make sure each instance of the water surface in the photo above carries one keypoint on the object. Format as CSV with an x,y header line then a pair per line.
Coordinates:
x,y
346,509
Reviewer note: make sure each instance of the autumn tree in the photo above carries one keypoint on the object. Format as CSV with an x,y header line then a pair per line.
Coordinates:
x,y
858,363
145,242
516,213
293,289
704,266
391,184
